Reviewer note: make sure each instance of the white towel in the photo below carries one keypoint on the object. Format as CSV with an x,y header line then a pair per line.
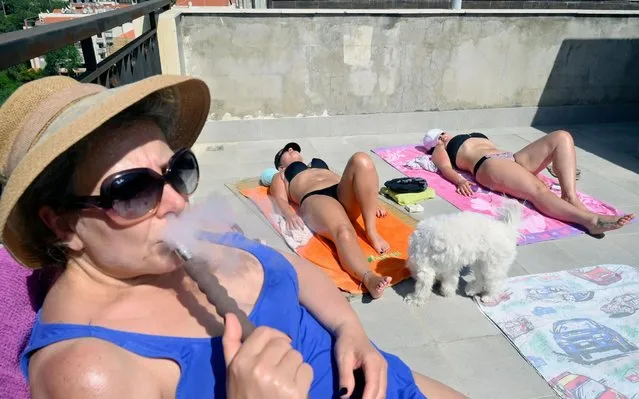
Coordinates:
x,y
422,162
294,238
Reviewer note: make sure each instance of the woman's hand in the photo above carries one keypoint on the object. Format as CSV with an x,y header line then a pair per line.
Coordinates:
x,y
294,222
353,350
263,366
464,188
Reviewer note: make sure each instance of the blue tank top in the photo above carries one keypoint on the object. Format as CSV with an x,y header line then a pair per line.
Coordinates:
x,y
201,360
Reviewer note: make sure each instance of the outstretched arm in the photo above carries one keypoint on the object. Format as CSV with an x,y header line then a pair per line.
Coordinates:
x,y
279,191
353,348
442,161
322,298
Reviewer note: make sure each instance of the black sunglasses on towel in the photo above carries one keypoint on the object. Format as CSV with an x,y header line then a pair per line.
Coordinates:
x,y
134,193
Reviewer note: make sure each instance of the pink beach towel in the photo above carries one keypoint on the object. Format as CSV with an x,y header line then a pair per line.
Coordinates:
x,y
21,296
535,227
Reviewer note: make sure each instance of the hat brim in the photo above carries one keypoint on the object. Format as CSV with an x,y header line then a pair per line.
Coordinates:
x,y
278,155
431,138
193,104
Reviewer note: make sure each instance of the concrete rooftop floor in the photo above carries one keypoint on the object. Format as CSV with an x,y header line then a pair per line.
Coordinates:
x,y
449,339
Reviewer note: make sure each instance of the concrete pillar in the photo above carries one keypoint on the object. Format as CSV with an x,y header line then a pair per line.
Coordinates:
x,y
456,4
168,42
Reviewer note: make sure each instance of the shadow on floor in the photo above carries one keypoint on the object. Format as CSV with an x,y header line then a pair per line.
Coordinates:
x,y
602,73
616,143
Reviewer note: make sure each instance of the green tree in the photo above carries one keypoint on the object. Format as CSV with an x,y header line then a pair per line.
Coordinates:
x,y
14,12
67,57
14,77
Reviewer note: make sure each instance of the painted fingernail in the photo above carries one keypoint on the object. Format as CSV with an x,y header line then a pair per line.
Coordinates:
x,y
342,391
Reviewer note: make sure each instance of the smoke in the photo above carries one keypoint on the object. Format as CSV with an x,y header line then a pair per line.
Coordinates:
x,y
212,215
187,232
190,229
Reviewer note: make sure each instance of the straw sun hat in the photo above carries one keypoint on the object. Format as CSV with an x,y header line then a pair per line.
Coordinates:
x,y
46,117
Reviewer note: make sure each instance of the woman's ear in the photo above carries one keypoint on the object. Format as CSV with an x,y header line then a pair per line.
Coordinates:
x,y
62,226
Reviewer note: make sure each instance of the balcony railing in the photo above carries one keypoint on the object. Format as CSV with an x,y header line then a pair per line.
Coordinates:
x,y
138,59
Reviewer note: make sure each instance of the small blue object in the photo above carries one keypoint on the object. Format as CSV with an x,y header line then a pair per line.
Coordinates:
x,y
267,176
536,361
541,311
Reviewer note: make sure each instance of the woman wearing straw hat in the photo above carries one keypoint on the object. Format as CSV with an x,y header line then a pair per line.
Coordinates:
x,y
89,177
516,173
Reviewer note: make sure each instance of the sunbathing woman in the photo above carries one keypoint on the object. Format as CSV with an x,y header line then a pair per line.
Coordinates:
x,y
92,177
329,203
516,174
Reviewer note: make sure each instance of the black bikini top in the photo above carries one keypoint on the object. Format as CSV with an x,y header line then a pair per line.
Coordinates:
x,y
298,167
455,144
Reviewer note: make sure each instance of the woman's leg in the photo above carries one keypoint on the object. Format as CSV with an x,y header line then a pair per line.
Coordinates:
x,y
503,176
557,147
435,389
326,216
357,191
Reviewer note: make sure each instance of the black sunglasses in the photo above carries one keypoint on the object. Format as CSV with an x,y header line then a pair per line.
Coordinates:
x,y
134,193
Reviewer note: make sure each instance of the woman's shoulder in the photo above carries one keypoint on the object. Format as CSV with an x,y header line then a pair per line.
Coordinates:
x,y
87,310
90,367
278,181
439,154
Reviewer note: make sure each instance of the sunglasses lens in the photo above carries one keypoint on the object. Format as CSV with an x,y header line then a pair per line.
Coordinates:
x,y
134,195
185,173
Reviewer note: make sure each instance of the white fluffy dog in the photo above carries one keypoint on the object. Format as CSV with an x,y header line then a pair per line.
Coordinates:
x,y
442,245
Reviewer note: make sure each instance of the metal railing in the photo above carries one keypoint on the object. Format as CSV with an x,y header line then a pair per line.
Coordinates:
x,y
136,60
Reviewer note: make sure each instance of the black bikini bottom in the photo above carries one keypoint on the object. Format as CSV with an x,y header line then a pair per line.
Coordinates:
x,y
328,191
501,155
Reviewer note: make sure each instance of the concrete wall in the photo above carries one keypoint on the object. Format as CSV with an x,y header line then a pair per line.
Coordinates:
x,y
323,63
466,4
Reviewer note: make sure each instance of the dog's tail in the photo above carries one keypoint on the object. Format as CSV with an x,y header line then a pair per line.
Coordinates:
x,y
510,213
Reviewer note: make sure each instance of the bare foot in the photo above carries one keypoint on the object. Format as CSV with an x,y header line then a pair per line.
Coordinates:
x,y
575,201
376,284
606,223
381,212
377,242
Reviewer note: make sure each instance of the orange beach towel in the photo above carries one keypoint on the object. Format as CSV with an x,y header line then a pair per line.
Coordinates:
x,y
396,228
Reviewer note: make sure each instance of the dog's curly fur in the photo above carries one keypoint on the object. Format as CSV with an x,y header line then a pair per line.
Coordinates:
x,y
442,245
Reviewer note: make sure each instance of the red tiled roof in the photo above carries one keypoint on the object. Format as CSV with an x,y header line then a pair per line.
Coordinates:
x,y
129,34
77,10
52,20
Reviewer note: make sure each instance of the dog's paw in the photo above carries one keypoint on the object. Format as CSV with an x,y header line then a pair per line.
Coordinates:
x,y
471,291
414,300
488,298
448,290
